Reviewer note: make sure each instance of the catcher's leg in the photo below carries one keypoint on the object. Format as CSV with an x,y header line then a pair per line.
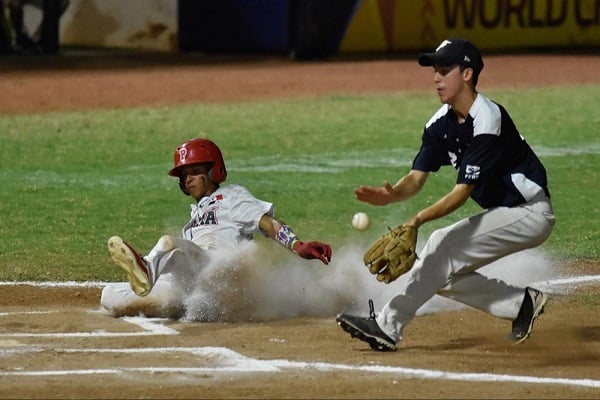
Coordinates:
x,y
452,254
429,273
499,232
367,330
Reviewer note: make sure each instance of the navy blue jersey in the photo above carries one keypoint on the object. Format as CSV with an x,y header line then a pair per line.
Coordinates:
x,y
487,150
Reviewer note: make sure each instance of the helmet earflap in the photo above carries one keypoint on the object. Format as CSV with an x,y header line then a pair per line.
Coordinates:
x,y
199,151
217,173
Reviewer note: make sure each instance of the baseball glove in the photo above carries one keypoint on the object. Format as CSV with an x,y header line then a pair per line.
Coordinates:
x,y
393,254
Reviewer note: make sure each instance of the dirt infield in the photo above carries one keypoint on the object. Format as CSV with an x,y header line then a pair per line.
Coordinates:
x,y
54,342
105,81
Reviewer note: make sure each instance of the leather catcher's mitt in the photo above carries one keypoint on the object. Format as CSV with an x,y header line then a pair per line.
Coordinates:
x,y
393,254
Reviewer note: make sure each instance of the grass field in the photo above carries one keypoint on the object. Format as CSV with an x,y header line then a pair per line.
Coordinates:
x,y
71,180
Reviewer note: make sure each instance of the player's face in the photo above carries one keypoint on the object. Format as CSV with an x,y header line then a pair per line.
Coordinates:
x,y
196,180
449,82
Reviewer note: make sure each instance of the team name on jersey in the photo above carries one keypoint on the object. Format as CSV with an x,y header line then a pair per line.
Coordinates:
x,y
208,218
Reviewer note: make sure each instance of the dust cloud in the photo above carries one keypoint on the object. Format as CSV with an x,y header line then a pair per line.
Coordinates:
x,y
261,283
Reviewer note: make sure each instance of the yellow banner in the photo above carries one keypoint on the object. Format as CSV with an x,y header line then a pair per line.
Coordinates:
x,y
491,24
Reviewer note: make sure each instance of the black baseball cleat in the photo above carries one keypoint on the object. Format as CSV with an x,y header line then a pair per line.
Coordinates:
x,y
367,330
532,307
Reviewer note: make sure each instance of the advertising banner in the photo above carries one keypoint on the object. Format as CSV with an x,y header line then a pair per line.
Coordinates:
x,y
493,24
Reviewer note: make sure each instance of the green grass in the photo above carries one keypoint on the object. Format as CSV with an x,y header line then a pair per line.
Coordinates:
x,y
71,180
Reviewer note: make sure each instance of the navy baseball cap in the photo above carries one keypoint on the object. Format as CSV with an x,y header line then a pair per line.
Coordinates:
x,y
452,52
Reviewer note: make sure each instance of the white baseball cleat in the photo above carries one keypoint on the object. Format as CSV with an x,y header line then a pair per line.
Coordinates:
x,y
132,263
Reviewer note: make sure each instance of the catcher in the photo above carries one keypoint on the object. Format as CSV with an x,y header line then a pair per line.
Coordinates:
x,y
499,171
223,218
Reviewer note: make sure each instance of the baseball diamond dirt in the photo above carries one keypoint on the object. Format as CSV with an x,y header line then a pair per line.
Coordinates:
x,y
54,342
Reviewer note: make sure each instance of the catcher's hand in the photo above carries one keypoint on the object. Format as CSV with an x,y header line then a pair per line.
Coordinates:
x,y
393,254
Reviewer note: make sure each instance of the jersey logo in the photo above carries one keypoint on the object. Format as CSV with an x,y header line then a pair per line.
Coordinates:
x,y
214,200
208,218
442,45
209,201
472,172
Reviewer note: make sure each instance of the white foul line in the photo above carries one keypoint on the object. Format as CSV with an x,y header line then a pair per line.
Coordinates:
x,y
89,284
67,284
232,362
150,326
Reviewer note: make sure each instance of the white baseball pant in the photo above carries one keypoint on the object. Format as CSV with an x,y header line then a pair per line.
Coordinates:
x,y
448,263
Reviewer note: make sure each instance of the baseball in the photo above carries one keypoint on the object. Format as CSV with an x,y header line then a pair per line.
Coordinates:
x,y
361,221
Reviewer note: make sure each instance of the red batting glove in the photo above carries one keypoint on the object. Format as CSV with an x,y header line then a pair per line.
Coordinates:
x,y
312,250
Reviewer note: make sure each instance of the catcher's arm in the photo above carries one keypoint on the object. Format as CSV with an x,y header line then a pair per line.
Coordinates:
x,y
406,187
444,206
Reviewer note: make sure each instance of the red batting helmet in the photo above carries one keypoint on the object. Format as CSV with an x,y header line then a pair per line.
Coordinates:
x,y
196,151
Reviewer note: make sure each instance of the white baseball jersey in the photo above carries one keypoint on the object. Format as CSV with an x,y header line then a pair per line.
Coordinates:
x,y
225,218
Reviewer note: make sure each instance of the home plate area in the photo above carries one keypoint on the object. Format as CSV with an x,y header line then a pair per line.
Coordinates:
x,y
52,352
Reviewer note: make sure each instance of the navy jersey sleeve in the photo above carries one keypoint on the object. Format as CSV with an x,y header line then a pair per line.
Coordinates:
x,y
430,157
433,153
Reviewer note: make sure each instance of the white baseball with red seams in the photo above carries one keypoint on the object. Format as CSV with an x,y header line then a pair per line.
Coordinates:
x,y
361,221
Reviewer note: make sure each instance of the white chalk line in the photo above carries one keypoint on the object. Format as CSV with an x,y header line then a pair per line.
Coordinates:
x,y
343,161
571,280
96,334
150,326
91,284
232,362
67,284
229,361
4,314
568,280
321,163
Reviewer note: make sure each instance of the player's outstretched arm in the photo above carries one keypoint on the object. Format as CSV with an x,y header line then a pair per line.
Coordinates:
x,y
406,187
283,234
444,206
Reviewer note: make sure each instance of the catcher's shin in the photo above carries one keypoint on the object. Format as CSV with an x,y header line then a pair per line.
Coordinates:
x,y
393,254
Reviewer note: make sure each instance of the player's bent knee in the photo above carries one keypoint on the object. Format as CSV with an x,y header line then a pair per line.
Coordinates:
x,y
436,239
